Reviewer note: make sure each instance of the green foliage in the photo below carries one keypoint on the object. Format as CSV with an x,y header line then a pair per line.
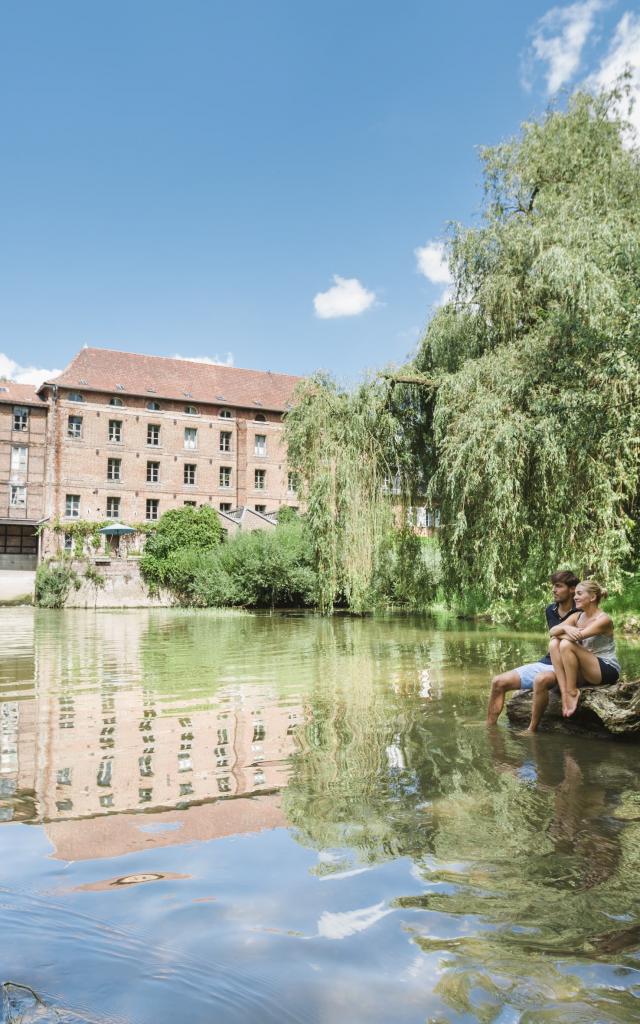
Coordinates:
x,y
344,447
270,568
83,532
53,583
408,571
177,531
261,569
91,575
529,438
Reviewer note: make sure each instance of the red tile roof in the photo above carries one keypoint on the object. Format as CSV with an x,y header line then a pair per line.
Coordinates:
x,y
19,394
130,373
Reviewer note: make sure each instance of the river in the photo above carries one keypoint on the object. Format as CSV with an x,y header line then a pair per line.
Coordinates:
x,y
225,817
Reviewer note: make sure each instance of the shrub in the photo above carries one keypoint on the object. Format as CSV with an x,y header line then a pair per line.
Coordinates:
x,y
53,583
179,530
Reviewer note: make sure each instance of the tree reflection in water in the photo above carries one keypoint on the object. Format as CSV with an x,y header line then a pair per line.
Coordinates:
x,y
528,849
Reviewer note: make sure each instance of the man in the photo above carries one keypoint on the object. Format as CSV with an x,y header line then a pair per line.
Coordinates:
x,y
564,583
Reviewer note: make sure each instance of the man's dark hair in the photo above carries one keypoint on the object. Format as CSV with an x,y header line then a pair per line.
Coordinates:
x,y
565,576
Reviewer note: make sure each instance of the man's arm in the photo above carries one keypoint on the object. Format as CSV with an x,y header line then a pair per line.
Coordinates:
x,y
561,628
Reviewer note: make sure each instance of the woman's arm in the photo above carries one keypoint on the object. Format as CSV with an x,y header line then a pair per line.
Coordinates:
x,y
601,623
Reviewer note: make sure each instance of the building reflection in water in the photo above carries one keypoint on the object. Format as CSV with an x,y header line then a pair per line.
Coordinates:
x,y
86,760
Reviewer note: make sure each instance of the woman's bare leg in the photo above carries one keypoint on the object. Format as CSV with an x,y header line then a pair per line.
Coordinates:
x,y
579,666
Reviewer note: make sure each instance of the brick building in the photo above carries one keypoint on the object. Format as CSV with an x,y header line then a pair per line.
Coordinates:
x,y
130,436
23,426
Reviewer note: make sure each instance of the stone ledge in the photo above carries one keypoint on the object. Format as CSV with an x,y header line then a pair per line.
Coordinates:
x,y
605,712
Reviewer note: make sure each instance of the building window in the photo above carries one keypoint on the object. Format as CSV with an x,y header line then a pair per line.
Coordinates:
x,y
113,469
260,479
260,418
75,396
292,483
260,448
152,509
260,508
115,430
19,454
225,440
113,508
18,497
225,476
72,506
191,410
189,473
68,542
74,426
153,406
20,417
225,414
117,402
225,506
190,504
153,472
153,434
105,772
191,438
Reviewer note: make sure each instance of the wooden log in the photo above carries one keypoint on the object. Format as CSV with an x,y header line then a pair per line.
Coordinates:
x,y
608,712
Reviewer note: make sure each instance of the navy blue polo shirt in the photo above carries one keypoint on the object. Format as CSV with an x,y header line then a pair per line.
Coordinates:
x,y
554,618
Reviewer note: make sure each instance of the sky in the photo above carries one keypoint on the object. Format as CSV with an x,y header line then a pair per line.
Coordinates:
x,y
266,184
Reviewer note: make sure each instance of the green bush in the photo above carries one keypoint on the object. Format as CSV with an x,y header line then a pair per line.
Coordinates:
x,y
53,583
408,571
262,569
178,530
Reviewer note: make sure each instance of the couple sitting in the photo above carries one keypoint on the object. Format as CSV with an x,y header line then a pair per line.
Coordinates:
x,y
581,650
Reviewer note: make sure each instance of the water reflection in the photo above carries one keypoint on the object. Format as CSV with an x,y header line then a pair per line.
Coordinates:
x,y
464,873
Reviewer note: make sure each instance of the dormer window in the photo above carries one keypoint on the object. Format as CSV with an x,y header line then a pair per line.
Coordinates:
x,y
116,401
75,396
153,406
191,410
225,414
260,417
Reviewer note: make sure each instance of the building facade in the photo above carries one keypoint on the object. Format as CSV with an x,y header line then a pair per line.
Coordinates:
x,y
125,437
23,431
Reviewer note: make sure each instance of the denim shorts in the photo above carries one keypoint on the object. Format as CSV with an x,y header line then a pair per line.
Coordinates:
x,y
529,672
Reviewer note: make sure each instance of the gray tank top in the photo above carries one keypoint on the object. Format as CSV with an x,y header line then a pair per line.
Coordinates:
x,y
603,646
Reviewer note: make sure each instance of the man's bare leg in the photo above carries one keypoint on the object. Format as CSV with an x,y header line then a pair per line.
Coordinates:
x,y
555,653
541,686
500,685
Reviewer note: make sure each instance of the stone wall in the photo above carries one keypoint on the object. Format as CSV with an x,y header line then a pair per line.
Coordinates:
x,y
123,588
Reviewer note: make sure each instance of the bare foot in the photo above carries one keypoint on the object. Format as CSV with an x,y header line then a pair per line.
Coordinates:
x,y
572,703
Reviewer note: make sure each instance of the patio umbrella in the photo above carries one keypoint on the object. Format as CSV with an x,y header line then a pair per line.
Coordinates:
x,y
117,530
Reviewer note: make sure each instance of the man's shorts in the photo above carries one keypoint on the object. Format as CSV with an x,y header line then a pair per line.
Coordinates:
x,y
529,672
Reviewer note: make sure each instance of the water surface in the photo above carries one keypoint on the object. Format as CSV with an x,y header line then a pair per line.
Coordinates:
x,y
237,818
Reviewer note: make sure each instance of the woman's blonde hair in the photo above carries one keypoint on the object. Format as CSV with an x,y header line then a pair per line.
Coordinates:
x,y
594,588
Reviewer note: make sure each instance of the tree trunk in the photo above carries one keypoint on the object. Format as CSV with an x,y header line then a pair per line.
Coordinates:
x,y
608,712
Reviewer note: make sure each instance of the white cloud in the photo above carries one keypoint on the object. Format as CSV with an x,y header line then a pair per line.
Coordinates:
x,y
210,360
347,297
432,262
340,926
624,52
24,374
558,39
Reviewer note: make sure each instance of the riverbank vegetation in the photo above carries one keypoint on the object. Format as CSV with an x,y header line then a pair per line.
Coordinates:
x,y
519,417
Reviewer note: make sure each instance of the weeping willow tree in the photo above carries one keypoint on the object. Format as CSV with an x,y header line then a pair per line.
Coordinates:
x,y
529,432
520,415
346,449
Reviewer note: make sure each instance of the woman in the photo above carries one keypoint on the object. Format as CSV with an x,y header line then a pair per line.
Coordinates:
x,y
582,648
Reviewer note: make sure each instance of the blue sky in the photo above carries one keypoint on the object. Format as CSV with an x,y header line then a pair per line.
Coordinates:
x,y
259,182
